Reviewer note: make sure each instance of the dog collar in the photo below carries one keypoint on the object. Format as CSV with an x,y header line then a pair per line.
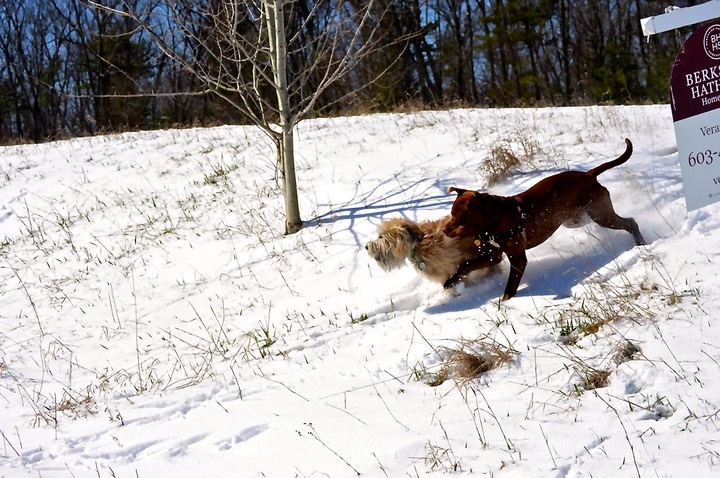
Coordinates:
x,y
514,231
413,257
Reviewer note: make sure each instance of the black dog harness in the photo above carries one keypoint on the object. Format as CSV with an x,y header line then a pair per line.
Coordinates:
x,y
494,238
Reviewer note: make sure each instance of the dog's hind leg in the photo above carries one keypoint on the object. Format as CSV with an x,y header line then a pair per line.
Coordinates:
x,y
600,209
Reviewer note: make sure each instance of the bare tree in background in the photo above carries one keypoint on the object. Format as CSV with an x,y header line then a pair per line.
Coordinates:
x,y
243,51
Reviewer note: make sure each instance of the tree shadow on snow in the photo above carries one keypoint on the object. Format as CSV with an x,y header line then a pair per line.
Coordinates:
x,y
382,201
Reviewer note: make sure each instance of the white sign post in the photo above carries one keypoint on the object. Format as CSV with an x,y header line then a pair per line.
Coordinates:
x,y
680,17
695,101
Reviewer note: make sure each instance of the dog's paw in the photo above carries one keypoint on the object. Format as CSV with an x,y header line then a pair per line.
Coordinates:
x,y
451,282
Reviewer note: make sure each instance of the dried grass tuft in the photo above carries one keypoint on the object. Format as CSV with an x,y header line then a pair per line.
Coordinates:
x,y
472,359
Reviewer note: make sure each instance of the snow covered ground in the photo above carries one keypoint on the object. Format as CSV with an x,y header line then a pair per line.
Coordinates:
x,y
154,321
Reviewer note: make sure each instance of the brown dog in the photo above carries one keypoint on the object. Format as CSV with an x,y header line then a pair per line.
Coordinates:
x,y
434,255
519,222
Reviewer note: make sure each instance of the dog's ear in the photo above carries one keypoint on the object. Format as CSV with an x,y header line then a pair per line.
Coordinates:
x,y
459,191
412,227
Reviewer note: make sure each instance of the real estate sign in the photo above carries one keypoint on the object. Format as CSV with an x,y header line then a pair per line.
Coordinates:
x,y
695,103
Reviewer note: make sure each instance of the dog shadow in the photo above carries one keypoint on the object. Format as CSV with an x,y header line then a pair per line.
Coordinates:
x,y
551,272
469,297
557,275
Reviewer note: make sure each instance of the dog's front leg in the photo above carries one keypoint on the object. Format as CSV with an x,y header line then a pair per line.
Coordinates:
x,y
517,268
455,279
488,255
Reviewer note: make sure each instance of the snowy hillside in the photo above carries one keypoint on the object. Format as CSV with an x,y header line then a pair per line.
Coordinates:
x,y
154,321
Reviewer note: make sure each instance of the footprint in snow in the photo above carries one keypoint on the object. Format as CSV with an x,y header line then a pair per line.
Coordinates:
x,y
243,436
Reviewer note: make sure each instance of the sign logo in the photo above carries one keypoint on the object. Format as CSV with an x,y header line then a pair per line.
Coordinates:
x,y
711,41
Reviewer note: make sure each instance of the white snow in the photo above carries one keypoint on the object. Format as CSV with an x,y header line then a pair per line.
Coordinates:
x,y
155,321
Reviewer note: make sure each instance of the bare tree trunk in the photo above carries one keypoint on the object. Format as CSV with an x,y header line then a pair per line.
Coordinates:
x,y
278,48
293,223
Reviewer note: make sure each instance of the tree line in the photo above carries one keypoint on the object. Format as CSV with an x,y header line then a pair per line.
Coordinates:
x,y
69,68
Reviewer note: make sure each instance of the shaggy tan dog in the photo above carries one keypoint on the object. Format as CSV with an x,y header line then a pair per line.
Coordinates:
x,y
432,253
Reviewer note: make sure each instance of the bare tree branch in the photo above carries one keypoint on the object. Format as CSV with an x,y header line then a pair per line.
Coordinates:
x,y
240,51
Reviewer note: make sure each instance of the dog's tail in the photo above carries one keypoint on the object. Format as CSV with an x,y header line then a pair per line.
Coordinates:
x,y
615,162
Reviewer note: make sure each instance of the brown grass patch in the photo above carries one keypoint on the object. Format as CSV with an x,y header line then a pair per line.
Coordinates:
x,y
498,166
596,379
470,360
